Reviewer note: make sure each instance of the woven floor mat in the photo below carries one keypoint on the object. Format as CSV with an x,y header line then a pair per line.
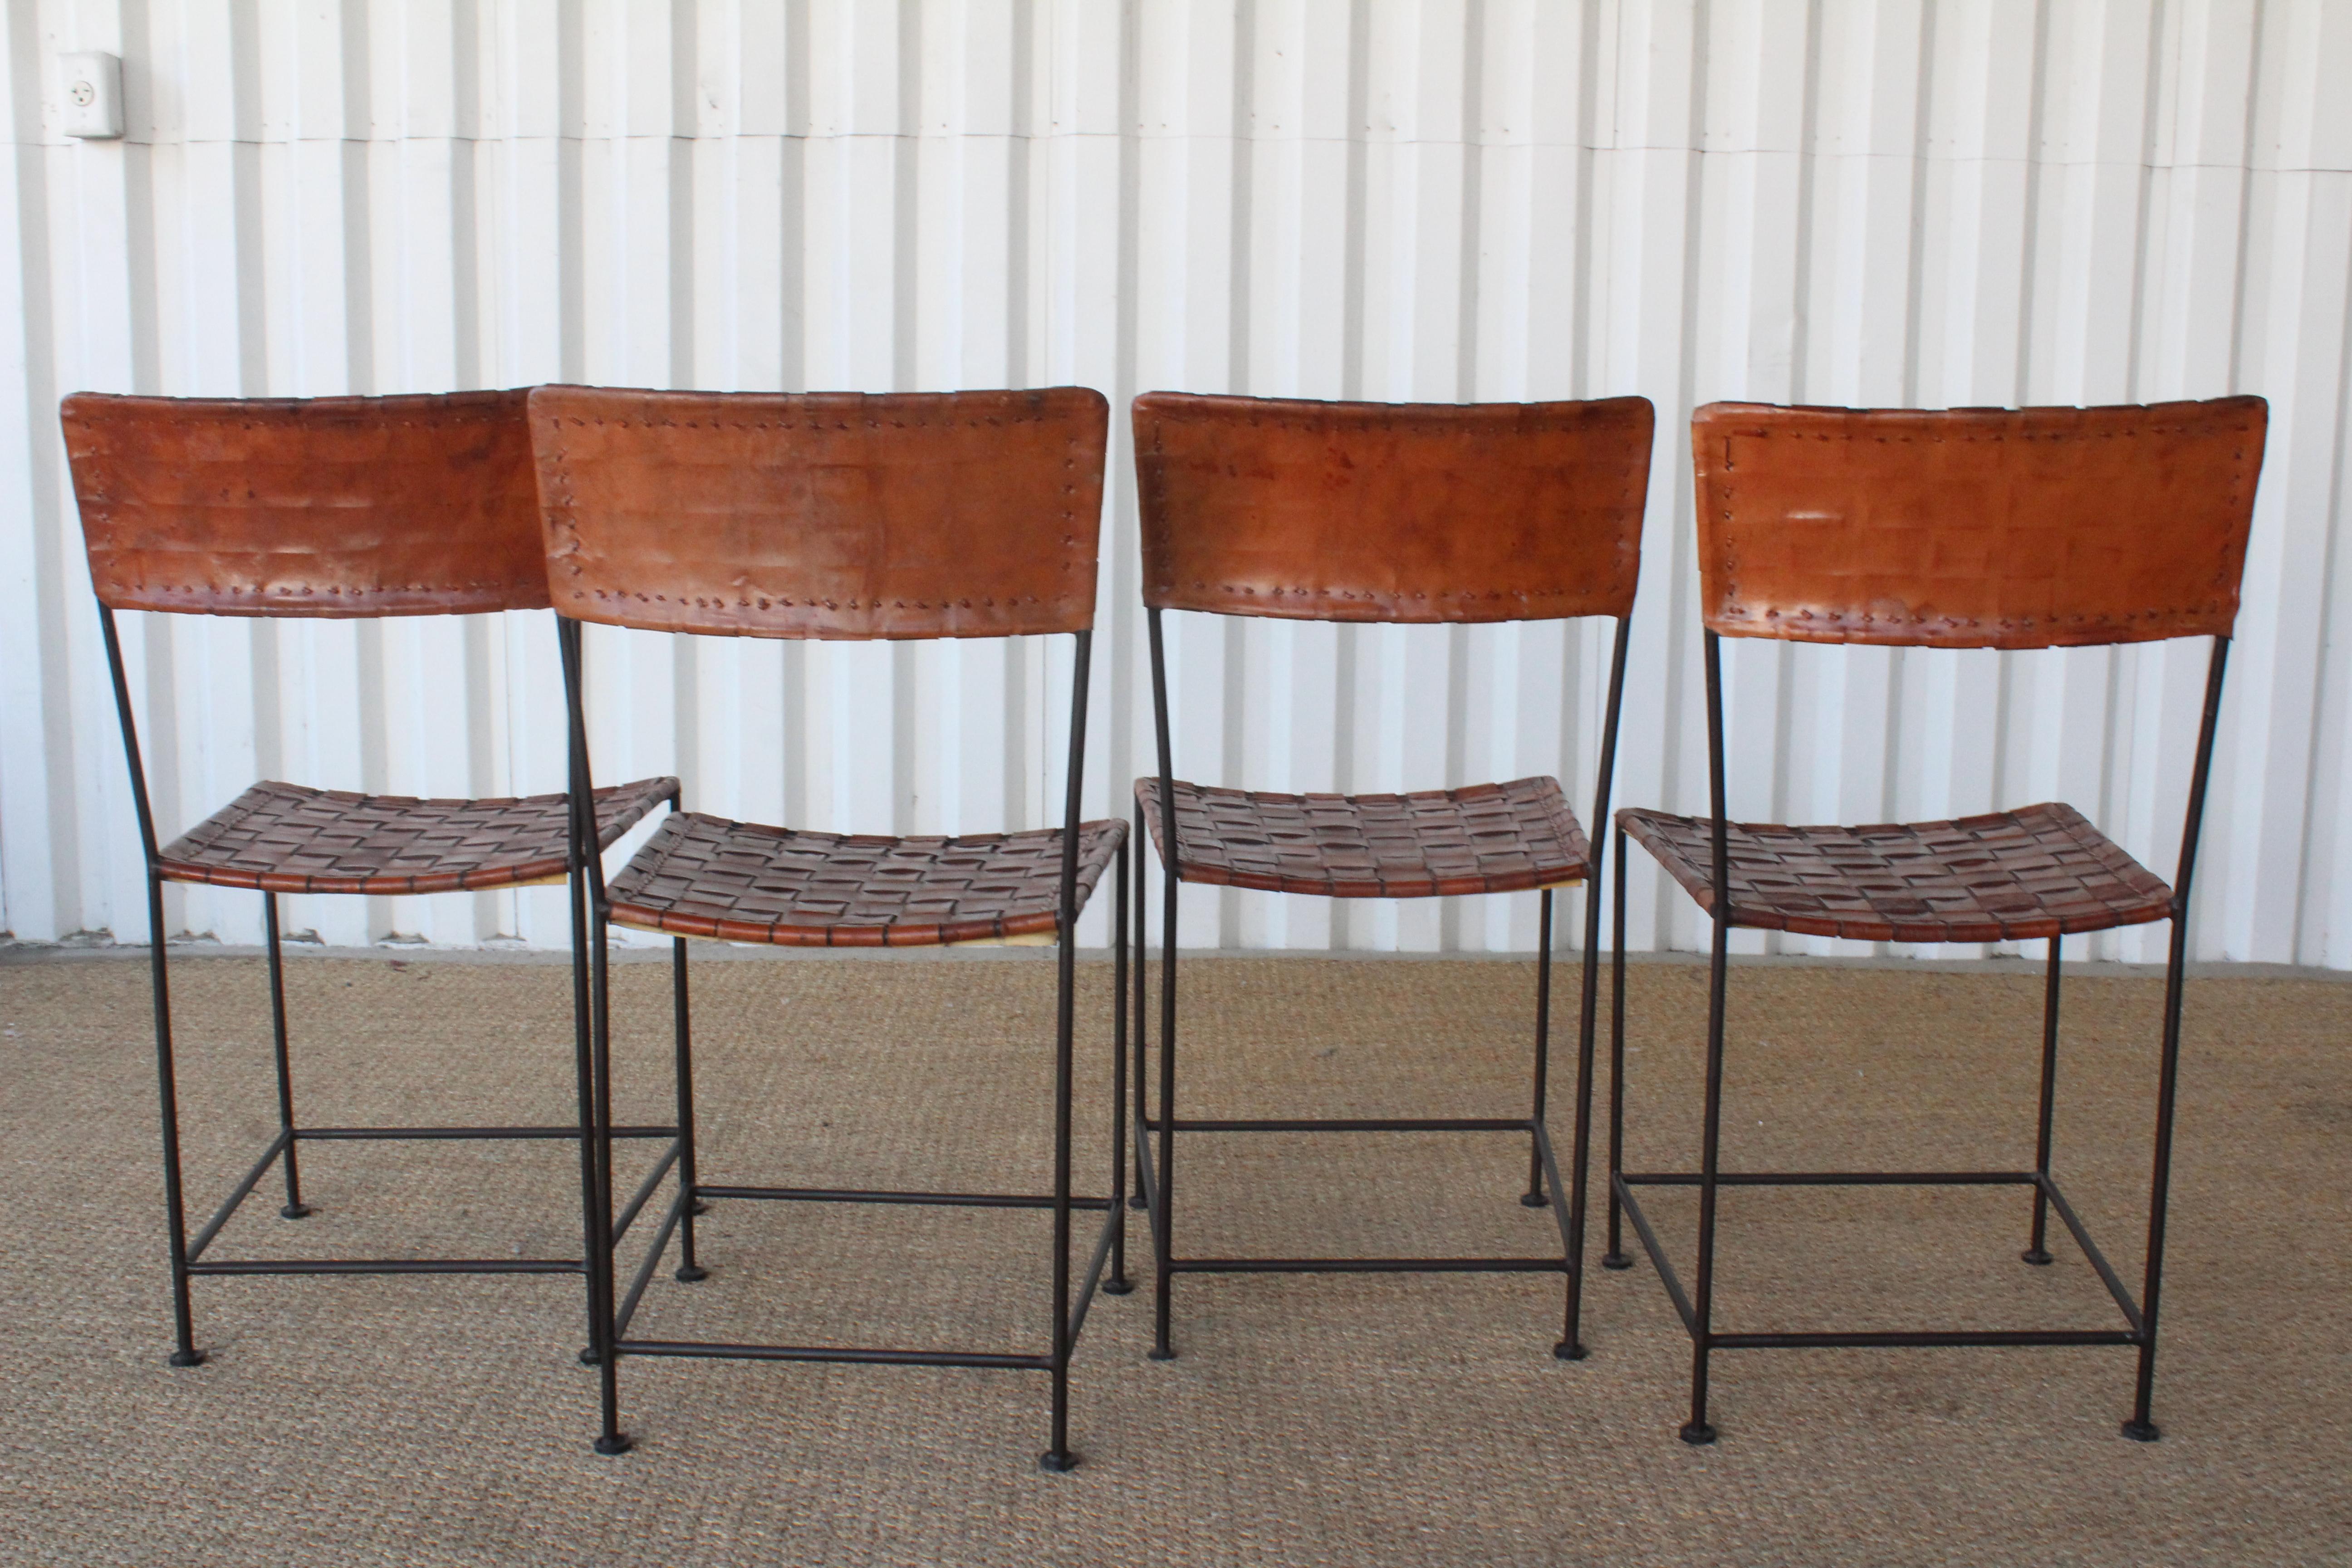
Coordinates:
x,y
1307,1421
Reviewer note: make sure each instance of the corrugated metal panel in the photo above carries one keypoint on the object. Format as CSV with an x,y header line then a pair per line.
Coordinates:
x,y
1849,201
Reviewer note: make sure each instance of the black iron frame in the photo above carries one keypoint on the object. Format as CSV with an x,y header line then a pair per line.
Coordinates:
x,y
1155,1169
694,1196
187,1253
1696,1307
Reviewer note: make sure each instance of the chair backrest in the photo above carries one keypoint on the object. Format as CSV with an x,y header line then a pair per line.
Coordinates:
x,y
1976,527
828,515
1385,512
330,506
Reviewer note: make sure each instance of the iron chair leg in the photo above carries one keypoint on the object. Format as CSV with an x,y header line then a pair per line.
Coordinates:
x,y
582,1077
166,1079
2140,1429
1696,1429
1171,880
682,1027
593,1039
1140,1134
295,1207
1572,1345
1164,1165
1057,1457
1615,1257
1534,1197
610,1439
1119,1284
183,1320
2035,1253
1588,997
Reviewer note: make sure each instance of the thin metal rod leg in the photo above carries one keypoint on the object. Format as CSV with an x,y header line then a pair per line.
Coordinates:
x,y
1142,931
682,1027
1172,879
1057,1457
583,1082
295,1207
610,1439
1697,1430
591,1044
2141,1428
1534,1197
1616,1257
183,1319
2035,1253
1164,1191
1119,1284
1571,1344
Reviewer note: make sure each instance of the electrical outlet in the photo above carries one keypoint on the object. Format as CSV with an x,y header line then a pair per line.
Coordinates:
x,y
90,95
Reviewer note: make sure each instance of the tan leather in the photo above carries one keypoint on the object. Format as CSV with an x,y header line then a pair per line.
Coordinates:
x,y
1388,512
824,514
331,506
1976,527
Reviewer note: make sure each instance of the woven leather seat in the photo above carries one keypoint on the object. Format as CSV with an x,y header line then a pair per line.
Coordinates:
x,y
286,838
2009,876
743,881
1487,838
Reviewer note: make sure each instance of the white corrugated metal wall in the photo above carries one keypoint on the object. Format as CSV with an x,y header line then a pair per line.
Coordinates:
x,y
1929,202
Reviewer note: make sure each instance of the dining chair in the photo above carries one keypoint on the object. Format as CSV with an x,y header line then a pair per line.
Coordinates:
x,y
1398,514
328,508
1971,528
842,517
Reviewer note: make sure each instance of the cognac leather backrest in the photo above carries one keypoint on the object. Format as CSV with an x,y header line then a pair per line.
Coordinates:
x,y
1976,527
1390,512
329,505
833,515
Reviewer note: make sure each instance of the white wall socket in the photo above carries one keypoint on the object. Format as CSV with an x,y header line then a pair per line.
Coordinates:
x,y
90,95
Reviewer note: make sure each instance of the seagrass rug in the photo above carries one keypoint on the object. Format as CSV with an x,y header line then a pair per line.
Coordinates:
x,y
1329,1420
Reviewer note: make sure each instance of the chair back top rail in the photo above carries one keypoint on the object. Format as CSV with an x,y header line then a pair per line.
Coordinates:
x,y
2008,528
1386,511
323,507
822,515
